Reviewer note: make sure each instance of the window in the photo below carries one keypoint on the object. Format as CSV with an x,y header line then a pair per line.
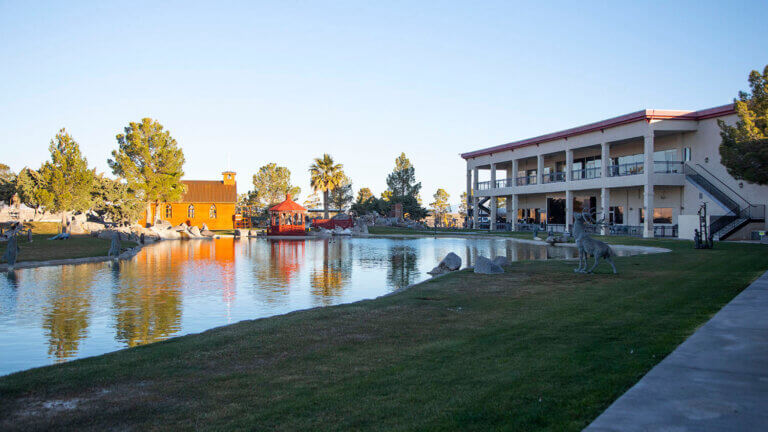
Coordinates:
x,y
687,154
661,215
191,211
212,212
616,215
168,211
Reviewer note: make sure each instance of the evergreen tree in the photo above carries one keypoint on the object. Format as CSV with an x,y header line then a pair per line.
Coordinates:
x,y
341,196
29,185
403,188
271,184
744,147
325,176
440,206
66,181
150,161
7,183
113,200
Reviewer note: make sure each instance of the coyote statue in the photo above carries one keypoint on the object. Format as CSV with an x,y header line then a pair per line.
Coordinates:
x,y
588,246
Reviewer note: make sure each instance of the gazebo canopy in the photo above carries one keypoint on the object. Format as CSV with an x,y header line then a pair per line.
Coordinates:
x,y
288,206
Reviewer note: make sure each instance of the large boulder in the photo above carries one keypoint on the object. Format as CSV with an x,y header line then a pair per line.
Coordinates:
x,y
485,266
207,233
451,262
181,228
163,225
194,232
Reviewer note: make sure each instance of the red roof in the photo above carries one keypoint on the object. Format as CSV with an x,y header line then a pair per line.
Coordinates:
x,y
288,205
647,115
209,191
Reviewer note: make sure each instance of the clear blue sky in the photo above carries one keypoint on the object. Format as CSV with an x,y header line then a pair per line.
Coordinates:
x,y
285,81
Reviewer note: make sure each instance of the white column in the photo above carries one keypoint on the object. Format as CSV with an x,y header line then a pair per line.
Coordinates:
x,y
493,176
568,165
568,210
648,187
605,156
475,208
515,169
539,168
494,204
469,196
605,205
648,204
512,206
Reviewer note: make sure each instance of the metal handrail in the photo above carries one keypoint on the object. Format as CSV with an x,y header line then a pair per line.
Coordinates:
x,y
484,185
527,180
708,186
503,183
722,183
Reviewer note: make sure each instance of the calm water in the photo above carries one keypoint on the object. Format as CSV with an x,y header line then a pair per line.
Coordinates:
x,y
53,314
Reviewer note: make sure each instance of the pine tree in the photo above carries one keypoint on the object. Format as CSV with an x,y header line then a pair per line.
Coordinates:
x,y
403,188
150,161
341,196
66,181
440,206
744,147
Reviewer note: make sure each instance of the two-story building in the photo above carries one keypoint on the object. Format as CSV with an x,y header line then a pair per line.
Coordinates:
x,y
647,172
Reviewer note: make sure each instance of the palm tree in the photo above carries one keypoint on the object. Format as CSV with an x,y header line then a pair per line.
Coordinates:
x,y
325,176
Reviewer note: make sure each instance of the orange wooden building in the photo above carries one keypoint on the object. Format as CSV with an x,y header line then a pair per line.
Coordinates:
x,y
210,202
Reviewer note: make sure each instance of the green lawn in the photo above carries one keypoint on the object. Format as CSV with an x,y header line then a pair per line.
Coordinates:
x,y
42,249
537,348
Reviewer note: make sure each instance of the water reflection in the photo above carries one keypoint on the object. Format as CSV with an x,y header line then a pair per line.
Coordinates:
x,y
52,314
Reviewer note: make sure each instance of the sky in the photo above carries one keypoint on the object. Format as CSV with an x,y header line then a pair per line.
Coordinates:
x,y
243,84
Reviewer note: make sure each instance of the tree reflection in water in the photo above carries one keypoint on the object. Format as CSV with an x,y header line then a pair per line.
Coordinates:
x,y
66,319
335,272
403,268
148,309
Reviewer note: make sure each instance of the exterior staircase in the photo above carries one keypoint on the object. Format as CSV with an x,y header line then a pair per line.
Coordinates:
x,y
739,211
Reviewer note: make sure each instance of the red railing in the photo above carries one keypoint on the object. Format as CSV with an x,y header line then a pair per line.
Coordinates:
x,y
333,223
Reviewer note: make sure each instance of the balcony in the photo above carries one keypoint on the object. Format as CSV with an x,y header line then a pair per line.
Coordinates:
x,y
485,185
555,177
505,183
625,169
668,167
586,173
527,180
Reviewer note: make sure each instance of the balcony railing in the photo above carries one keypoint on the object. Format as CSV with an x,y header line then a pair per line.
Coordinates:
x,y
485,185
555,177
586,173
527,180
625,169
668,167
505,183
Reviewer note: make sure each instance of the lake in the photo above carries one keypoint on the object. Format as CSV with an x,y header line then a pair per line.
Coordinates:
x,y
54,314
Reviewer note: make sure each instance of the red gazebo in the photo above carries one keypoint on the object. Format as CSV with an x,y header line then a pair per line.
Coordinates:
x,y
287,218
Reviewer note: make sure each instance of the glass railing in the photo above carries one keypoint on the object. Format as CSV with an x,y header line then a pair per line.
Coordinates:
x,y
668,167
505,183
625,169
586,173
555,177
527,180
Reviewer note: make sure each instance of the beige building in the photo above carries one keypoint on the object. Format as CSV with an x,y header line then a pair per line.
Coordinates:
x,y
648,173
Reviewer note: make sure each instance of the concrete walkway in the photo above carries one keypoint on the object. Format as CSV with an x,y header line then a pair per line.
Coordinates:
x,y
717,380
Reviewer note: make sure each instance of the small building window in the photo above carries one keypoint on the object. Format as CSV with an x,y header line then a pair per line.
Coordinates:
x,y
212,212
168,211
191,211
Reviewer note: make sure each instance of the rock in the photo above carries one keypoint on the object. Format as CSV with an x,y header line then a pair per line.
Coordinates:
x,y
485,266
183,227
204,227
500,261
451,262
207,233
163,225
552,240
80,218
194,232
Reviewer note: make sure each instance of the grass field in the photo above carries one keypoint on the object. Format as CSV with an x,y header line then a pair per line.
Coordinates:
x,y
537,348
42,249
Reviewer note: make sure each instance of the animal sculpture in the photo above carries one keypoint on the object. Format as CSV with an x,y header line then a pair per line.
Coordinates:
x,y
588,246
114,247
11,252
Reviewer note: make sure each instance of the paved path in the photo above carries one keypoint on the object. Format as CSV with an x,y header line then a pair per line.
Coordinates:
x,y
717,380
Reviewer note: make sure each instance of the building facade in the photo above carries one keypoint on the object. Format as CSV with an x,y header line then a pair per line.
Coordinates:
x,y
646,173
209,202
